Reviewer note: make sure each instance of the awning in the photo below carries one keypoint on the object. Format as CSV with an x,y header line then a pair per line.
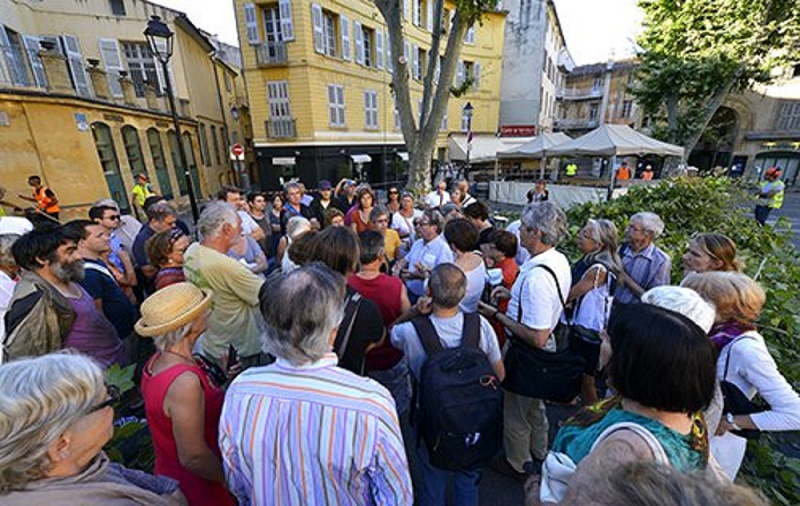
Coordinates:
x,y
284,160
484,147
403,155
361,158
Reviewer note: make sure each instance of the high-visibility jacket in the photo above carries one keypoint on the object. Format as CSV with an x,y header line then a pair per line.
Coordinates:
x,y
571,170
45,203
776,201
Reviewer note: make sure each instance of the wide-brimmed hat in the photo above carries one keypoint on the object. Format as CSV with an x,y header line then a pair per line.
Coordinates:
x,y
172,307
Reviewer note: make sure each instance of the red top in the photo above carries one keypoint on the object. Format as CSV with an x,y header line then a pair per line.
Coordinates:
x,y
510,272
355,217
384,291
198,491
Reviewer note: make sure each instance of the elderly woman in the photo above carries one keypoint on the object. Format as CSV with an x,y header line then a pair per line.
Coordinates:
x,y
462,236
295,227
592,294
654,418
182,403
744,363
711,252
165,251
403,220
644,264
287,429
359,216
55,417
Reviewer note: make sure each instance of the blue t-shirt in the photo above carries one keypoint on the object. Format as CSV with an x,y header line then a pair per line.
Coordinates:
x,y
100,284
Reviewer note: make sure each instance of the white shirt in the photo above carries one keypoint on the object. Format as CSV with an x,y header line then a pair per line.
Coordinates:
x,y
248,223
433,199
6,291
404,337
15,225
476,282
522,254
435,252
753,370
536,288
405,226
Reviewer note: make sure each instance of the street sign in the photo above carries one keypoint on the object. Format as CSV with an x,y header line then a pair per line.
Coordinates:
x,y
237,152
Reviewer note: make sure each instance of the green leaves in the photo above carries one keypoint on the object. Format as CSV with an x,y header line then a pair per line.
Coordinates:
x,y
120,377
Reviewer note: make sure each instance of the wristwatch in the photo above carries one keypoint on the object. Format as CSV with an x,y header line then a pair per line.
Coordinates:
x,y
729,419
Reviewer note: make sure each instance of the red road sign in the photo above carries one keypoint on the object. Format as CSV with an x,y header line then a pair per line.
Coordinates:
x,y
237,150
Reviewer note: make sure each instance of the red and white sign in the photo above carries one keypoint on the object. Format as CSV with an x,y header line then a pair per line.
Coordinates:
x,y
518,131
237,152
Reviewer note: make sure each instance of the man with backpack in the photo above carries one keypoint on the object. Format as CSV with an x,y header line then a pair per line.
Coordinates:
x,y
455,359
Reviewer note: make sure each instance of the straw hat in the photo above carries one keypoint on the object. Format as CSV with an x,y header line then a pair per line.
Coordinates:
x,y
171,308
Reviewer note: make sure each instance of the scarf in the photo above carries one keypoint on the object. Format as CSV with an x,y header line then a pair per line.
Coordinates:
x,y
723,333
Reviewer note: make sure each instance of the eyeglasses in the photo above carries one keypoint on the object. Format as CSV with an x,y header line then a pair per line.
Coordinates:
x,y
115,217
393,192
113,399
425,224
175,234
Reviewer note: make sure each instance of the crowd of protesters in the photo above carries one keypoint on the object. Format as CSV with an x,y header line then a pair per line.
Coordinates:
x,y
338,349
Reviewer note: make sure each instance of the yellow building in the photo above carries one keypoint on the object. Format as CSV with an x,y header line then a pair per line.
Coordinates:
x,y
82,103
318,79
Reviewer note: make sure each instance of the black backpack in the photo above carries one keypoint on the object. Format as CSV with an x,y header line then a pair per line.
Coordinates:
x,y
460,402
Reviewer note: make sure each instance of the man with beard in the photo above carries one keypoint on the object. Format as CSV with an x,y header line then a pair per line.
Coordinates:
x,y
50,310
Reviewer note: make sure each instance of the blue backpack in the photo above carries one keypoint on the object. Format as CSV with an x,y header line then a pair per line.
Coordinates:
x,y
459,399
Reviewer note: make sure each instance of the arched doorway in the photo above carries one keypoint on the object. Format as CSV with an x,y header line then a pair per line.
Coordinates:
x,y
107,153
716,144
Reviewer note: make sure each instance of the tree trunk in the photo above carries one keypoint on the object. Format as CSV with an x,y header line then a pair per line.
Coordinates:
x,y
711,108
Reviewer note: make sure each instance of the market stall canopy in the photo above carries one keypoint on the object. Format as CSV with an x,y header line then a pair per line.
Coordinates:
x,y
537,147
484,146
610,140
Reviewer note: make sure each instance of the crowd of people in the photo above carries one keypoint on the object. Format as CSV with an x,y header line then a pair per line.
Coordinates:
x,y
331,348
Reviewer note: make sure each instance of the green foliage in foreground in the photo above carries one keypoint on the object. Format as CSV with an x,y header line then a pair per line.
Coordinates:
x,y
688,206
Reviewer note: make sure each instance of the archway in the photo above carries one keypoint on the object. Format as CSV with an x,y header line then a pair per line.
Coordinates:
x,y
716,144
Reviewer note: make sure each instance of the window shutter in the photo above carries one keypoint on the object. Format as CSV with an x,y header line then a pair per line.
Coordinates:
x,y
415,61
287,26
162,83
389,62
379,49
344,23
415,12
469,38
476,69
72,50
32,46
460,73
251,23
359,34
316,21
332,104
367,106
429,14
109,49
340,101
406,9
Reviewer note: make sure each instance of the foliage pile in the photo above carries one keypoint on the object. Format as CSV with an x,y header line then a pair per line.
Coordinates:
x,y
688,206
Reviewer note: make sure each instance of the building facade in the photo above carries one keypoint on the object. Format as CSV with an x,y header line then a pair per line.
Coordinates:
x,y
596,94
82,102
535,66
318,79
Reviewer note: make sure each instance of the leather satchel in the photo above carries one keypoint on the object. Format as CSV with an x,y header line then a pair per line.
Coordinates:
x,y
533,372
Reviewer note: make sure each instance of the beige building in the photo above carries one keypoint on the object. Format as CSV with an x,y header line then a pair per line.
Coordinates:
x,y
82,102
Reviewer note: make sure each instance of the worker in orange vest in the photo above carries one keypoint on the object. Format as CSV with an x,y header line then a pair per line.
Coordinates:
x,y
623,172
45,198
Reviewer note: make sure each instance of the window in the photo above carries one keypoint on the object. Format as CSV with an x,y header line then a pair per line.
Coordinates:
x,y
325,24
159,162
228,82
788,117
278,96
469,38
594,112
141,66
273,37
215,143
133,150
469,70
368,34
204,158
466,121
597,83
627,107
329,33
419,62
188,148
15,62
117,7
104,143
336,105
370,109
172,142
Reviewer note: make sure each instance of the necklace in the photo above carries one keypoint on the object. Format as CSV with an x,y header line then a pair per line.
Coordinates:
x,y
188,359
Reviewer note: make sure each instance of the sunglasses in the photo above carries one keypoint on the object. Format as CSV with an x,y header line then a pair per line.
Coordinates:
x,y
115,217
113,399
175,234
393,192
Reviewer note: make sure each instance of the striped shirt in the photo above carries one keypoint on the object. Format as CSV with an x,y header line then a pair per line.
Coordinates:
x,y
312,434
649,268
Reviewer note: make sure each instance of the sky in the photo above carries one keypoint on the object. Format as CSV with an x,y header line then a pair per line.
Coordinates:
x,y
594,29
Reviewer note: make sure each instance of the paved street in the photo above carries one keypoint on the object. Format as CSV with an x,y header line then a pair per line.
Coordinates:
x,y
791,210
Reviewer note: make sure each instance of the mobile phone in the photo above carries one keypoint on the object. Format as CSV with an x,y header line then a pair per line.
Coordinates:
x,y
233,356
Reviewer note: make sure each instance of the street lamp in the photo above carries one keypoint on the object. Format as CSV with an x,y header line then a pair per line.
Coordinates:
x,y
467,110
160,39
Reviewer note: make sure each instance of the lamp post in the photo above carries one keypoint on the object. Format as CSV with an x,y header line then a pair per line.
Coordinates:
x,y
467,109
159,38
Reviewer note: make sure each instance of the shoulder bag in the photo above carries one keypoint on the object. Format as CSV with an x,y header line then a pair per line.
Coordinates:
x,y
736,402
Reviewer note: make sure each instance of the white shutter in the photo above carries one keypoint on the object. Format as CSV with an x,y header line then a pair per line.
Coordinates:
x,y
415,12
316,21
415,61
367,109
6,57
72,50
332,104
344,23
406,9
359,35
476,69
32,47
429,14
379,49
287,26
340,101
109,49
460,73
469,38
389,62
251,23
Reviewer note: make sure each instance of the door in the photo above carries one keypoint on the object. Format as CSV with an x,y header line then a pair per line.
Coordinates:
x,y
104,143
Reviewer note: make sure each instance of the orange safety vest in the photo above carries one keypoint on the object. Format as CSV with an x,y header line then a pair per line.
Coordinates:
x,y
43,201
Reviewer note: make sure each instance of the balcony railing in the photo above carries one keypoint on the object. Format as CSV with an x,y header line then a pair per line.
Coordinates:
x,y
281,128
271,53
579,93
575,123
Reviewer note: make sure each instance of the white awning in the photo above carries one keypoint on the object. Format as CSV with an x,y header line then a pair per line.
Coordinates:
x,y
361,158
484,147
403,155
284,160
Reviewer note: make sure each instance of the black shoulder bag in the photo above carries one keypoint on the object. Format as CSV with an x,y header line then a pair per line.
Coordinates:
x,y
735,401
534,372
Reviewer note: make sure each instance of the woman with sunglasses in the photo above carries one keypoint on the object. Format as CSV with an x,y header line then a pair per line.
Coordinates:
x,y
393,200
55,417
182,403
165,251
